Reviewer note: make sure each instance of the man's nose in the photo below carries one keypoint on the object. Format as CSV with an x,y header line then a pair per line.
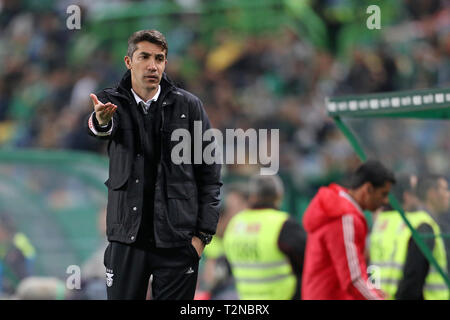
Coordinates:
x,y
151,65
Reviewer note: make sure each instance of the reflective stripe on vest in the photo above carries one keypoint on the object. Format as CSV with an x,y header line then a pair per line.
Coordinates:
x,y
260,269
389,245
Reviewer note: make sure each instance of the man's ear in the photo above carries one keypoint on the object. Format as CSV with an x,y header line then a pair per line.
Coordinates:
x,y
368,187
127,60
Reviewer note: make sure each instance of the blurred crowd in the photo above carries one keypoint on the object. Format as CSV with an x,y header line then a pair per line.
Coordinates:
x,y
274,80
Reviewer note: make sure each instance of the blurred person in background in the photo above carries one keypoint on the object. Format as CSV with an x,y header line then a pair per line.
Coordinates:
x,y
335,265
41,288
217,276
160,215
17,255
385,228
265,246
405,272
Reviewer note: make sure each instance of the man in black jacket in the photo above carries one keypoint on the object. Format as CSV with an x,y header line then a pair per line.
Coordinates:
x,y
160,215
419,195
433,191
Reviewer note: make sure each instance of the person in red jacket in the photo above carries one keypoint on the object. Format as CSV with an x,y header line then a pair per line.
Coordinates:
x,y
335,267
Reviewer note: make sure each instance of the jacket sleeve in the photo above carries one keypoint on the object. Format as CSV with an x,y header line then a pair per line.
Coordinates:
x,y
208,180
93,127
345,241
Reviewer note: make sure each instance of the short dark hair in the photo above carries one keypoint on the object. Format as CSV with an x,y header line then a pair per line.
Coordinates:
x,y
372,171
266,190
426,182
240,188
152,36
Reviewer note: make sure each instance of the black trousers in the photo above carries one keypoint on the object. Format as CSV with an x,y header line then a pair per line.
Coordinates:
x,y
128,270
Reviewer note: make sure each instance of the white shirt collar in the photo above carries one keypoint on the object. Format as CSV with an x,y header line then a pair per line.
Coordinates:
x,y
138,99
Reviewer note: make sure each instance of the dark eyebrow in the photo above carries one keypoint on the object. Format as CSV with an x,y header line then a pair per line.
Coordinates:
x,y
144,53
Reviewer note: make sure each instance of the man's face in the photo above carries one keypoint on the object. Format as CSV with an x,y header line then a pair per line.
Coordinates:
x,y
439,196
375,197
147,65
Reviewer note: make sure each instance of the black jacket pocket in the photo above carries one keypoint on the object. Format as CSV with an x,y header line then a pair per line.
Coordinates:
x,y
116,181
119,170
182,205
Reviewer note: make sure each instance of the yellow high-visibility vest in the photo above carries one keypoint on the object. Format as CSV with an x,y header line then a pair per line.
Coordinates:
x,y
389,246
260,268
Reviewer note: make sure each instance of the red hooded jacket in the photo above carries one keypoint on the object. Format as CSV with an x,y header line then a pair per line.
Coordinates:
x,y
335,267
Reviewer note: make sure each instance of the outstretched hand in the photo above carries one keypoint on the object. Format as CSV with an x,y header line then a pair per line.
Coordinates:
x,y
103,111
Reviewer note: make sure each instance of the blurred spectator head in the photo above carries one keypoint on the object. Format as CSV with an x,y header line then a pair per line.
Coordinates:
x,y
405,191
433,191
41,288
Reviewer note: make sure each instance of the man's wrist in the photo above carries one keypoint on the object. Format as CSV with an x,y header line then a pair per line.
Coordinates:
x,y
101,127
